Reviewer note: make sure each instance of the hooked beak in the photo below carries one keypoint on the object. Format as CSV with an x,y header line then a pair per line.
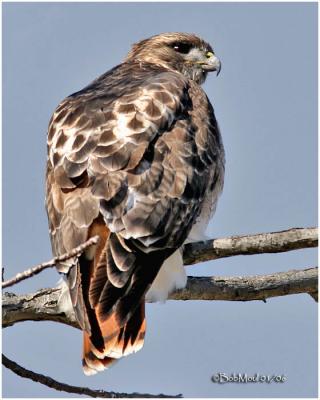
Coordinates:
x,y
212,63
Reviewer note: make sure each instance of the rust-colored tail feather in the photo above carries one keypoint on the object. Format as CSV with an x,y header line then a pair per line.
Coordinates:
x,y
109,337
91,364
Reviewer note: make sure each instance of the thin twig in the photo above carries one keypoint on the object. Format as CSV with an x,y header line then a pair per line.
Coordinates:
x,y
273,242
49,264
44,305
63,387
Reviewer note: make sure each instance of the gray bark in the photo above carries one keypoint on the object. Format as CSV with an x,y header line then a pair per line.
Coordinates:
x,y
273,242
44,304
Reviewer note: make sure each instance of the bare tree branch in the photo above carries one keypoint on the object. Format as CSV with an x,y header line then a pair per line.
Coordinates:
x,y
273,242
40,306
40,267
246,288
44,304
63,387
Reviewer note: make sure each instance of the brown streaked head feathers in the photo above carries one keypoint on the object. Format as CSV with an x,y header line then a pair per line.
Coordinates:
x,y
183,52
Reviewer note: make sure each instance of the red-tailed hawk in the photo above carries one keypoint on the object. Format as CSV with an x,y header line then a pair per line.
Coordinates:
x,y
135,157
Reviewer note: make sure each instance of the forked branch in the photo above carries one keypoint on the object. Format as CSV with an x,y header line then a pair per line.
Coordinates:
x,y
44,305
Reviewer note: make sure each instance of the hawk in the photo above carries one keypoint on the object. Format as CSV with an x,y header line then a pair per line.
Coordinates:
x,y
135,157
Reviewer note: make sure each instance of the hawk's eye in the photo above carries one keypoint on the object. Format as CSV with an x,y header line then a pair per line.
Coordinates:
x,y
181,47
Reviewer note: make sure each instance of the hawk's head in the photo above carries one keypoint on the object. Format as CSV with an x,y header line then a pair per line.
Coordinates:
x,y
183,52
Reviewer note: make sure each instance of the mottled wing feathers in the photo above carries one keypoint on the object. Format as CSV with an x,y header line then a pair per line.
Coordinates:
x,y
133,153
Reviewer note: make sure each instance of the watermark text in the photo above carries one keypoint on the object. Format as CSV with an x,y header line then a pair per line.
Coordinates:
x,y
222,377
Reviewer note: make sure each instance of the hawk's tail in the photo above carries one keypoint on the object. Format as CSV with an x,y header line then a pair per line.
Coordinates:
x,y
113,285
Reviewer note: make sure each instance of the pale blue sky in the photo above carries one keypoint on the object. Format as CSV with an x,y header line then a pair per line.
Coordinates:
x,y
265,100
